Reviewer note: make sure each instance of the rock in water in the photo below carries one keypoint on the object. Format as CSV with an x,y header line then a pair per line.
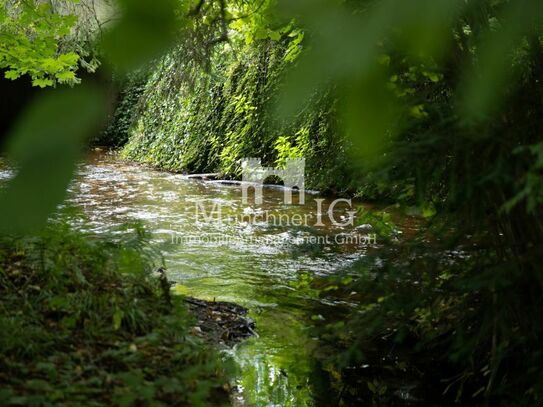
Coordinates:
x,y
221,322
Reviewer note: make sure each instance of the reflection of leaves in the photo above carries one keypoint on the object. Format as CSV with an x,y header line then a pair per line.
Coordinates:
x,y
45,144
304,285
381,222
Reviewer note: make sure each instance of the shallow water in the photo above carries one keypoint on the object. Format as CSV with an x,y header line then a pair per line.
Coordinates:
x,y
257,264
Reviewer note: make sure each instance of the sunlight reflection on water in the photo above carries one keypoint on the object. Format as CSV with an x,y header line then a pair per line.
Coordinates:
x,y
275,368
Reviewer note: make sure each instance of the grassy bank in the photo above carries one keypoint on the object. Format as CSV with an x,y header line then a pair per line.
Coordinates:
x,y
84,322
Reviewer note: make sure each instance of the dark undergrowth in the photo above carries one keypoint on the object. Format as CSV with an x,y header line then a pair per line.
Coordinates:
x,y
441,322
84,322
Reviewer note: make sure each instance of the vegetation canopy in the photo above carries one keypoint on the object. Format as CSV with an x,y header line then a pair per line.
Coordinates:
x,y
430,110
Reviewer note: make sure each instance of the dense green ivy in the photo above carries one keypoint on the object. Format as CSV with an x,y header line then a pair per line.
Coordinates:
x,y
126,112
212,120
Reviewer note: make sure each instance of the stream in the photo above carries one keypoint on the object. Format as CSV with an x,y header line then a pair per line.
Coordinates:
x,y
246,258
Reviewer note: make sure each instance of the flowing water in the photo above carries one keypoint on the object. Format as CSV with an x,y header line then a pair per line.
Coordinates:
x,y
247,259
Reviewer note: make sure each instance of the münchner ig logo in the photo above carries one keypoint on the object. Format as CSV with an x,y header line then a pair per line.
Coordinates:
x,y
293,177
253,176
319,213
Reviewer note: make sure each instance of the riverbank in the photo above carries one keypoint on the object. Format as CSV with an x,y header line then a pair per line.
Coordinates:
x,y
83,321
220,323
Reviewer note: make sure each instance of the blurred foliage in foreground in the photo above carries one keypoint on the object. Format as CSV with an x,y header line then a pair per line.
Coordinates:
x,y
83,322
447,94
449,100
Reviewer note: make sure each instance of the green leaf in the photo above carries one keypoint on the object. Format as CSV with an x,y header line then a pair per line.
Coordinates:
x,y
66,76
12,75
42,83
146,30
418,112
52,65
45,144
371,387
69,59
275,35
261,33
117,319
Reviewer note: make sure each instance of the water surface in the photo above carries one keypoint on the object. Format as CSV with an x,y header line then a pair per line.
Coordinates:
x,y
260,265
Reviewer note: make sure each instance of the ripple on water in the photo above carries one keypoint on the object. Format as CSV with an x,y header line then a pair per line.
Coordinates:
x,y
257,266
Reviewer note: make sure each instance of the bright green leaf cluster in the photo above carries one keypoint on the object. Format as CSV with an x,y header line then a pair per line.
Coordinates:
x,y
30,34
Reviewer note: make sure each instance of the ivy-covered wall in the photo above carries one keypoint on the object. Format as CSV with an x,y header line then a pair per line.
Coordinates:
x,y
128,97
191,121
